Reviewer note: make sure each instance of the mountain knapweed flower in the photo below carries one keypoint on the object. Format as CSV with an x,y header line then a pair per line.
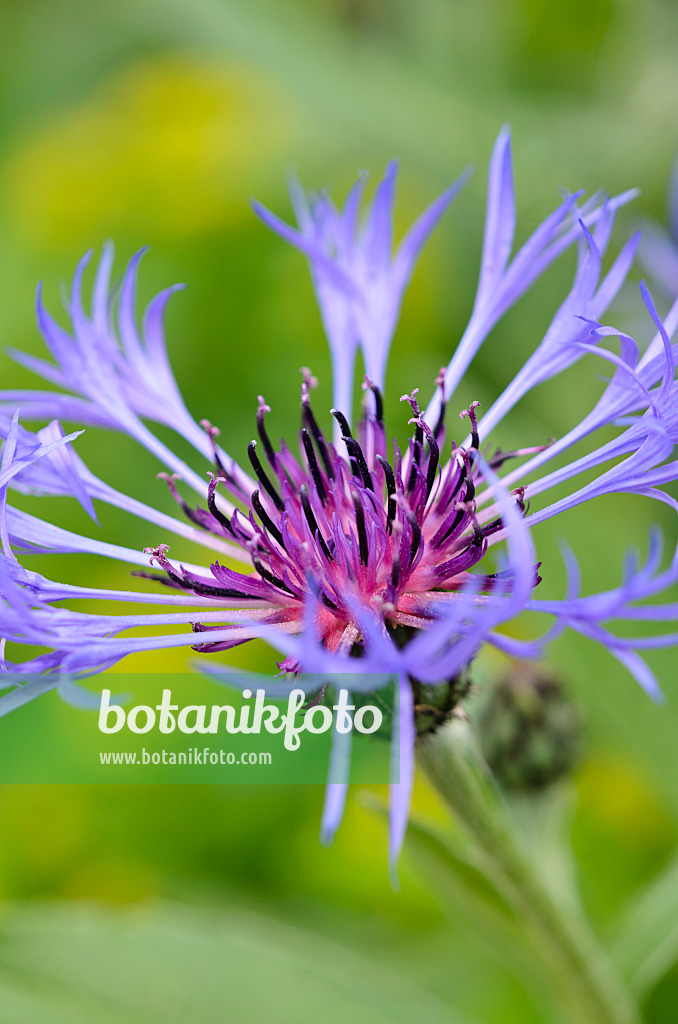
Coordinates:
x,y
352,551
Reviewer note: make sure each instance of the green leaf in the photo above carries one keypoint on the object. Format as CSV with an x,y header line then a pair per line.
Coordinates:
x,y
646,944
171,964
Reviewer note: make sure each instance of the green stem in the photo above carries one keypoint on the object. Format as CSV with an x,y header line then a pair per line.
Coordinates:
x,y
579,967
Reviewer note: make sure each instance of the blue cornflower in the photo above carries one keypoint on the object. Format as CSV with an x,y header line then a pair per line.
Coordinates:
x,y
352,548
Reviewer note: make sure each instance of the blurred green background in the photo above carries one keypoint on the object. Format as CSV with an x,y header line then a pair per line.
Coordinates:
x,y
154,123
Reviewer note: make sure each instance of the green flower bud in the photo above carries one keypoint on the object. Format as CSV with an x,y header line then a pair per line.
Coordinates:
x,y
530,731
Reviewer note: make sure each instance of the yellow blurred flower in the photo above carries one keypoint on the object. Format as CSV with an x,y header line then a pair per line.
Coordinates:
x,y
622,800
171,146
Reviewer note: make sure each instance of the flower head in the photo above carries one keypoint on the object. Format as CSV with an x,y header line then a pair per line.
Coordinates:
x,y
351,550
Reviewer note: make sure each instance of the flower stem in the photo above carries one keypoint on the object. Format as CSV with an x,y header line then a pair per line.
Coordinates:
x,y
590,990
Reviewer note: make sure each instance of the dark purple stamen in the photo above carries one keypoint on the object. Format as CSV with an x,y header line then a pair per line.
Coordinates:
x,y
440,538
433,458
358,457
378,400
343,423
266,519
417,440
493,527
269,576
416,534
318,436
181,582
186,583
263,433
214,509
470,413
395,568
313,464
390,490
519,495
228,592
417,443
313,522
362,532
478,535
263,478
345,433
157,578
497,460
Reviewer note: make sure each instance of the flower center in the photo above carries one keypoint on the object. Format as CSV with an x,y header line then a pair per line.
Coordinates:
x,y
361,525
